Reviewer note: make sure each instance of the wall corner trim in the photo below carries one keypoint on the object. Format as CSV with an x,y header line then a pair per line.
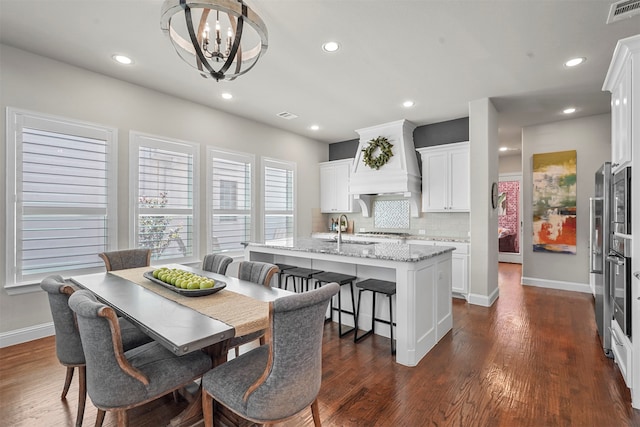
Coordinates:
x,y
556,284
484,300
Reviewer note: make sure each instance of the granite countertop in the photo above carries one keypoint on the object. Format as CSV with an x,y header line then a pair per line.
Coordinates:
x,y
400,252
334,235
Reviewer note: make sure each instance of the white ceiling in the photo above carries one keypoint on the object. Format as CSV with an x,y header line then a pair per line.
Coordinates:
x,y
439,53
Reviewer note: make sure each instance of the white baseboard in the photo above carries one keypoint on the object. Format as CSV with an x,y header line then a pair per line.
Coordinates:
x,y
556,284
19,336
484,300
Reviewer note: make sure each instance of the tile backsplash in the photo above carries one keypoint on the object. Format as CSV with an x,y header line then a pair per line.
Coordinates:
x,y
391,214
445,224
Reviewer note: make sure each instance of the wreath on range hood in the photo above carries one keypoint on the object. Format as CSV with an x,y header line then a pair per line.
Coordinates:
x,y
381,159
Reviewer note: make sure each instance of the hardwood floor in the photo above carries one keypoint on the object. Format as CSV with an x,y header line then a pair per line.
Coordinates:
x,y
533,359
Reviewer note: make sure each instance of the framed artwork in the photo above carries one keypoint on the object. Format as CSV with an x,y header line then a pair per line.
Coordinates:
x,y
554,202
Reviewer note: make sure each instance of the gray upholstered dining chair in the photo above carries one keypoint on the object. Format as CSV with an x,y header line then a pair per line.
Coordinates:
x,y
276,381
127,258
216,263
68,342
118,380
259,273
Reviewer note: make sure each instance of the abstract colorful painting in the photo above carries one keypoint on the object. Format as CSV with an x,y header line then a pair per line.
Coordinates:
x,y
554,202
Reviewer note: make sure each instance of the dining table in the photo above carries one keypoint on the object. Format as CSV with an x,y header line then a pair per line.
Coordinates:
x,y
183,323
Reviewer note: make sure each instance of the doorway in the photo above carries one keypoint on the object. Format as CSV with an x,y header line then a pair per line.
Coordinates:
x,y
510,218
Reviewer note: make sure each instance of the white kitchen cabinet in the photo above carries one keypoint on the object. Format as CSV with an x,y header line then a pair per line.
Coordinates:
x,y
334,186
445,178
621,121
459,265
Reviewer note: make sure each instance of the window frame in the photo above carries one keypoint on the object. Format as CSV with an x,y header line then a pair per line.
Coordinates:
x,y
141,139
278,164
216,153
16,120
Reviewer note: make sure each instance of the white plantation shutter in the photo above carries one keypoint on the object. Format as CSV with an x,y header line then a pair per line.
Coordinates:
x,y
230,196
65,194
165,175
279,193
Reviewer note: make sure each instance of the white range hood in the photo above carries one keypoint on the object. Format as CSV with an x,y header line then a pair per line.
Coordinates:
x,y
400,175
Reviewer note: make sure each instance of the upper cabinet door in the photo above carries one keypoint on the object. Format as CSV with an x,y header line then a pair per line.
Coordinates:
x,y
445,178
334,187
434,181
621,122
459,179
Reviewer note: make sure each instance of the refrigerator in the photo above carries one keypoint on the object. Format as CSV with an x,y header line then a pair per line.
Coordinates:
x,y
599,240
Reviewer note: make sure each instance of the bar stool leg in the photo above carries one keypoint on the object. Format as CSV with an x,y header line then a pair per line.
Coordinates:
x,y
340,333
357,338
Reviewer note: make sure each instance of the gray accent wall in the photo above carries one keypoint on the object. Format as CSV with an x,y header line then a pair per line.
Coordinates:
x,y
423,136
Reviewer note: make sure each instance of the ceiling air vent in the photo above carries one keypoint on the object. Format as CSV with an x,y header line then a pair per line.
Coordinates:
x,y
622,10
287,115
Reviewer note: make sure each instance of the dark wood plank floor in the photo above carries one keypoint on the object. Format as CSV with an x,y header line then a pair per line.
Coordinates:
x,y
533,359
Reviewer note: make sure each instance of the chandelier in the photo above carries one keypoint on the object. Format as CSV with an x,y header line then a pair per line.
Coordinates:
x,y
204,46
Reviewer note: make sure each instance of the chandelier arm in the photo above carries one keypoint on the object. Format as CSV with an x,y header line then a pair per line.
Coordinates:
x,y
236,44
239,59
194,39
201,27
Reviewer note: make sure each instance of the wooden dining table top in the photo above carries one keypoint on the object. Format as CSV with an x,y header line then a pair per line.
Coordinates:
x,y
183,323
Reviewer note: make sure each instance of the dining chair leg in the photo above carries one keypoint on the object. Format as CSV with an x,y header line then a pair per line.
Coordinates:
x,y
100,418
67,381
316,413
207,408
122,420
82,394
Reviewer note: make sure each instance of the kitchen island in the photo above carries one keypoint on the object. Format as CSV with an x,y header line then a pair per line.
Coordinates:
x,y
423,313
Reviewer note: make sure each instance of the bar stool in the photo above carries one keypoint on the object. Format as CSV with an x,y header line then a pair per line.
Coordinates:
x,y
304,274
282,268
340,279
377,287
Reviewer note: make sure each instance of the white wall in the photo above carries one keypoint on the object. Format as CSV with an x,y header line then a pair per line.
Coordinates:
x,y
591,138
510,164
483,260
42,85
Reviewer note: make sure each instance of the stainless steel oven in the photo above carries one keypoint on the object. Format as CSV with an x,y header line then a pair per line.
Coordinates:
x,y
620,272
621,201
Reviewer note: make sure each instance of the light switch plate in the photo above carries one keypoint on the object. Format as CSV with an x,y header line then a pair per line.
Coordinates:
x,y
422,232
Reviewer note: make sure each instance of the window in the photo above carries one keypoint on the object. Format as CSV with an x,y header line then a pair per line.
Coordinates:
x,y
230,198
164,175
279,194
61,190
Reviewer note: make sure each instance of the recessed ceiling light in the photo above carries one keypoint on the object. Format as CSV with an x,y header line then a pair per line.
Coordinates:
x,y
504,148
408,104
121,59
330,46
569,110
314,127
227,96
573,62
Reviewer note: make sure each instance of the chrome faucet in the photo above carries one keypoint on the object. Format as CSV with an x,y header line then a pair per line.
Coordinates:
x,y
346,224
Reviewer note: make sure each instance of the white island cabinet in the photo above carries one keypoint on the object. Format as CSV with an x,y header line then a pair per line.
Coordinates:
x,y
459,264
423,309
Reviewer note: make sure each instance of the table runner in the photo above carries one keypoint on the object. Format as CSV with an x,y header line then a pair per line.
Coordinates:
x,y
244,313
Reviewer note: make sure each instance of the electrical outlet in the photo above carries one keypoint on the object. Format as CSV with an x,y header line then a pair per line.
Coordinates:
x,y
422,232
362,230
